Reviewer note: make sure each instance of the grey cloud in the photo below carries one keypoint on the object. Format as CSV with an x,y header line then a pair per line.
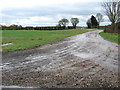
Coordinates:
x,y
51,11
77,9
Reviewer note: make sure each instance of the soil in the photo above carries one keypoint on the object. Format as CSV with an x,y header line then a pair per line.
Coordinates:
x,y
84,60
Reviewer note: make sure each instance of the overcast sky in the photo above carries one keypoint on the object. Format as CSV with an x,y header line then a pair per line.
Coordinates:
x,y
48,12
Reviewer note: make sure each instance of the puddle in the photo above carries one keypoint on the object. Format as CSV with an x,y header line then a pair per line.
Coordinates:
x,y
12,86
7,44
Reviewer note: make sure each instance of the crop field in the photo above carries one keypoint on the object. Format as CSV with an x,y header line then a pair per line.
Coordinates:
x,y
111,37
25,39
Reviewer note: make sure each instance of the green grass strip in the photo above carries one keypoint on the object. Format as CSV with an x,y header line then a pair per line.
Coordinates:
x,y
113,37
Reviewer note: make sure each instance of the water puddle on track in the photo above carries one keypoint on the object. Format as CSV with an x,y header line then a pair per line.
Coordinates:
x,y
6,44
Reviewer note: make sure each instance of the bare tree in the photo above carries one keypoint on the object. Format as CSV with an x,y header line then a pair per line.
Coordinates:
x,y
74,22
63,22
118,12
112,10
99,18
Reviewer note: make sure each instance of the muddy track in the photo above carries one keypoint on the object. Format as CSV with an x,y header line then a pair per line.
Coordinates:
x,y
84,60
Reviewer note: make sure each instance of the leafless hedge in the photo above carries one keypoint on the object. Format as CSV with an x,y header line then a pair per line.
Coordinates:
x,y
111,29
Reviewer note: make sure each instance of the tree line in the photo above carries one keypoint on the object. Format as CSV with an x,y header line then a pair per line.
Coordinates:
x,y
62,24
19,27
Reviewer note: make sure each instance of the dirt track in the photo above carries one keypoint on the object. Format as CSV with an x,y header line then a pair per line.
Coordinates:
x,y
85,60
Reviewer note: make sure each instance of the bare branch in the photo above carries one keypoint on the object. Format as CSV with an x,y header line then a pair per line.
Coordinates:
x,y
112,10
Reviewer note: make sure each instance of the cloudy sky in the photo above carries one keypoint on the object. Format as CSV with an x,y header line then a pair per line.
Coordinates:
x,y
48,12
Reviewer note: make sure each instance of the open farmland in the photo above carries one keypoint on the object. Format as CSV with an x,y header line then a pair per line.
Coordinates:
x,y
24,39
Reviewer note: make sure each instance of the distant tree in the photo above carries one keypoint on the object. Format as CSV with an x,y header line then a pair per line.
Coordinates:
x,y
89,23
74,22
58,26
94,22
0,27
13,27
20,27
99,18
63,22
112,10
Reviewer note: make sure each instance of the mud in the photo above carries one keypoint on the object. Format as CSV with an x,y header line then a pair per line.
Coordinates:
x,y
84,60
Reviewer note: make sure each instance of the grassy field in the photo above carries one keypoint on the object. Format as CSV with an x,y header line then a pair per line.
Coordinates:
x,y
25,39
111,37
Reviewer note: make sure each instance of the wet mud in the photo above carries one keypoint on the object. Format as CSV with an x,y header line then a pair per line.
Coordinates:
x,y
84,60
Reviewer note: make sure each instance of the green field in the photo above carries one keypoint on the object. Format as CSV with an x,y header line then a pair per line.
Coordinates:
x,y
111,37
25,39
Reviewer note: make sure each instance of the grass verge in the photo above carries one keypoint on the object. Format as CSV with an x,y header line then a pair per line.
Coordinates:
x,y
26,39
113,37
